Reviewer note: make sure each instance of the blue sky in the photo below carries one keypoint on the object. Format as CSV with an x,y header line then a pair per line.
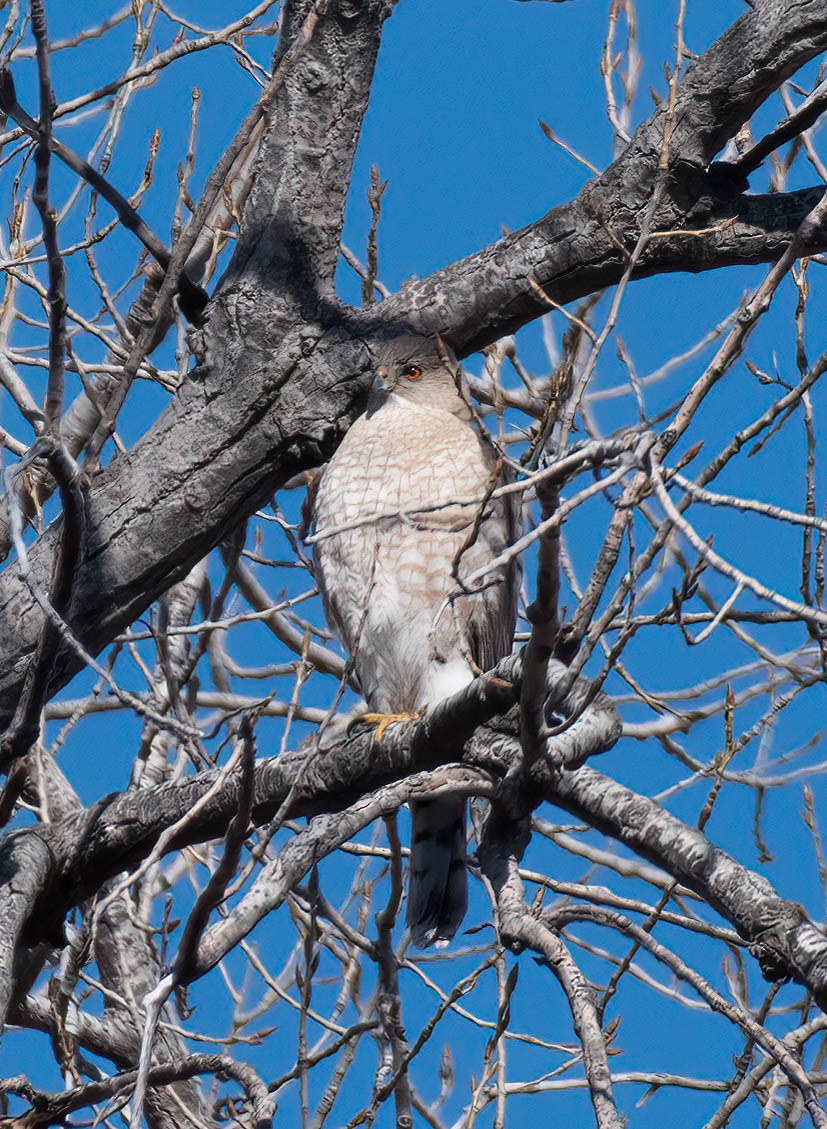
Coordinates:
x,y
453,128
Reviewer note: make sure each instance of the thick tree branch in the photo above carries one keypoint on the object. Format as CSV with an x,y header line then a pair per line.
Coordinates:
x,y
324,834
488,295
780,935
68,860
52,1109
737,1015
45,870
582,247
274,308
269,398
500,853
25,725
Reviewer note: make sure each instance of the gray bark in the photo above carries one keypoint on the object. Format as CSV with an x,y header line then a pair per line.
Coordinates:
x,y
58,865
282,371
283,366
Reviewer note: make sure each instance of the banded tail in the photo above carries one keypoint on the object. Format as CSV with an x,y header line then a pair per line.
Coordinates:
x,y
438,887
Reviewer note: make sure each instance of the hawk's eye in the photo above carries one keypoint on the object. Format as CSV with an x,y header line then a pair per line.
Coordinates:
x,y
413,372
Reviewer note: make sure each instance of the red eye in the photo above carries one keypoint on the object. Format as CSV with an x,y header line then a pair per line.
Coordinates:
x,y
413,372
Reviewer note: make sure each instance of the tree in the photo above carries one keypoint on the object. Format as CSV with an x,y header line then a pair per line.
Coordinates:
x,y
136,569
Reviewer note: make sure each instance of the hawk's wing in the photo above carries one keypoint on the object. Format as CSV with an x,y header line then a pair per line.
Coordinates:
x,y
491,615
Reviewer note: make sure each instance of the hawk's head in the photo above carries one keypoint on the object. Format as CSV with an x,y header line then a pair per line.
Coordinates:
x,y
418,369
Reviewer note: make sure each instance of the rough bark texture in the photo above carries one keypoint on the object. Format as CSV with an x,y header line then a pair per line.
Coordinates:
x,y
282,370
81,850
283,366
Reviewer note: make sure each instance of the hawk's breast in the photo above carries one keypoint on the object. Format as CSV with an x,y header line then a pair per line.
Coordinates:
x,y
396,515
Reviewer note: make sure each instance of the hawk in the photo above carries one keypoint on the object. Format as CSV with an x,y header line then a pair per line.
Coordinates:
x,y
401,514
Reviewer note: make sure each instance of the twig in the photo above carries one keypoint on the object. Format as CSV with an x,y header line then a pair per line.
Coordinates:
x,y
194,298
48,219
213,893
796,122
388,1001
543,616
375,194
761,1035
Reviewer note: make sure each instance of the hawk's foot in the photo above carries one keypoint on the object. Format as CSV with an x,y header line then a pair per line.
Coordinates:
x,y
383,720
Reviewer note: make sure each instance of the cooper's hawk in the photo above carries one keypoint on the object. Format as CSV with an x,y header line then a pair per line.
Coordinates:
x,y
402,514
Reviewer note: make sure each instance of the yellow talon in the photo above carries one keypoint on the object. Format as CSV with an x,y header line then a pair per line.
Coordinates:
x,y
383,720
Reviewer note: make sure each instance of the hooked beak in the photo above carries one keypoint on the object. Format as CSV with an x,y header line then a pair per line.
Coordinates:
x,y
383,381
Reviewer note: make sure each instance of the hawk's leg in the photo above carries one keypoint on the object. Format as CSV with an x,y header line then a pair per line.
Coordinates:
x,y
383,720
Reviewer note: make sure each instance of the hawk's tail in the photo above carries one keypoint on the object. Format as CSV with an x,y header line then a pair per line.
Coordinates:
x,y
438,891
